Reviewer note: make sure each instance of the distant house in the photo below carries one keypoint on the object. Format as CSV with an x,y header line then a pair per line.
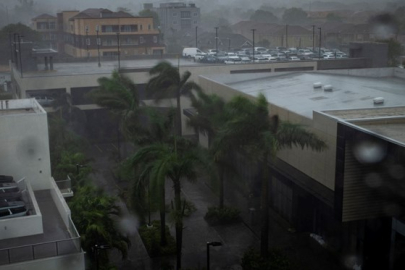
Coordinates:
x,y
276,34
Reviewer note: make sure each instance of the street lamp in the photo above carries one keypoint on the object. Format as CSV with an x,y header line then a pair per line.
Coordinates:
x,y
196,29
286,35
118,51
229,44
320,42
216,39
97,248
214,244
87,40
253,33
313,38
98,45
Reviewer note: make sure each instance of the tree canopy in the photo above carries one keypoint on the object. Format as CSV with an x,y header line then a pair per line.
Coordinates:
x,y
263,16
295,16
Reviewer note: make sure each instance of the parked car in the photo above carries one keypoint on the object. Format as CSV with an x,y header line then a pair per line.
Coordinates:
x,y
199,56
293,58
212,52
245,59
191,52
45,101
233,60
208,59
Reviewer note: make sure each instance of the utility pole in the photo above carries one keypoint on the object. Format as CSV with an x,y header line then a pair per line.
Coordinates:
x,y
87,41
118,51
196,41
216,39
229,44
320,42
286,36
313,38
253,33
19,52
98,46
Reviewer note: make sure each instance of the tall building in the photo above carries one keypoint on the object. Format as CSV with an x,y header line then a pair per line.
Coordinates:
x,y
176,17
47,25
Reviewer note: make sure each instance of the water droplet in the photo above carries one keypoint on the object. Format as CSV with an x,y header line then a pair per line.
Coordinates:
x,y
370,151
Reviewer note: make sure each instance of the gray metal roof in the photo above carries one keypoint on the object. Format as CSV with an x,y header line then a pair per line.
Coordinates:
x,y
295,91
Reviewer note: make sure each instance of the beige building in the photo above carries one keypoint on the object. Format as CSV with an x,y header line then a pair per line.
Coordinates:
x,y
47,25
95,32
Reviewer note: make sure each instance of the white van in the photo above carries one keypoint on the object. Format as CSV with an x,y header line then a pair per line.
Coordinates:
x,y
191,52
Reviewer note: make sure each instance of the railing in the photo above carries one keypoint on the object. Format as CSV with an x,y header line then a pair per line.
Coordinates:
x,y
39,251
74,234
64,184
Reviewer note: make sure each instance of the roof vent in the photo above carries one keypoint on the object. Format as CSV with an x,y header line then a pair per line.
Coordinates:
x,y
317,85
328,88
378,100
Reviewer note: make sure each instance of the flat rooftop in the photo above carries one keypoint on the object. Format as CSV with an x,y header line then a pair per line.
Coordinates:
x,y
19,106
295,91
64,69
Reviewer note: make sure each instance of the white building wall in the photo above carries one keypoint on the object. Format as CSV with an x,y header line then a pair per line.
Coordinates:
x,y
24,141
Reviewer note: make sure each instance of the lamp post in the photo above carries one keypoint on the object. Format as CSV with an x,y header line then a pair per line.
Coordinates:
x,y
196,40
97,248
98,45
216,40
87,41
253,33
229,44
19,53
313,38
320,42
286,36
214,244
118,51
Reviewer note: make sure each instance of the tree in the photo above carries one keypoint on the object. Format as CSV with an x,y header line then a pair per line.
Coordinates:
x,y
395,50
385,25
166,82
119,95
94,213
153,14
177,160
263,16
251,131
295,16
209,118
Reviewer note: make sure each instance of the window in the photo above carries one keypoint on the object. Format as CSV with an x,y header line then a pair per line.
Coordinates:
x,y
42,25
195,22
185,14
129,28
141,40
127,41
174,14
109,28
149,27
140,27
174,22
52,25
195,14
155,39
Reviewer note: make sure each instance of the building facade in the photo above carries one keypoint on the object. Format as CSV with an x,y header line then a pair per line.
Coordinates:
x,y
177,17
47,25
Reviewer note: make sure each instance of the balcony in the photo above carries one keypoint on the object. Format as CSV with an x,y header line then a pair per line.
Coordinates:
x,y
65,187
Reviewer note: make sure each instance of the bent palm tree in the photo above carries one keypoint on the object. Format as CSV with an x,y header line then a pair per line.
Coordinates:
x,y
167,82
175,161
252,130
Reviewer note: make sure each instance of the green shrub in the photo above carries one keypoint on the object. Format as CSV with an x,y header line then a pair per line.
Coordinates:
x,y
151,240
220,216
276,260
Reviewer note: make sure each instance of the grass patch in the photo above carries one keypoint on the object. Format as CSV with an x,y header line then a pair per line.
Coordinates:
x,y
275,260
221,216
151,240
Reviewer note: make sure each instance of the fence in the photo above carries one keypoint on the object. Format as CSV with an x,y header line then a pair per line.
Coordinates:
x,y
39,251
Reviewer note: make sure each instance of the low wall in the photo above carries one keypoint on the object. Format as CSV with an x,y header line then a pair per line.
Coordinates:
x,y
60,202
346,63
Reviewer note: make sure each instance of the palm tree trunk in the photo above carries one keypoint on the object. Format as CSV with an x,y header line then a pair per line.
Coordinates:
x,y
179,126
221,187
264,206
163,240
179,222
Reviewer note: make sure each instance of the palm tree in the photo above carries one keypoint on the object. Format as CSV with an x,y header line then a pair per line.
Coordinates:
x,y
209,118
157,130
175,161
167,82
119,95
93,213
251,130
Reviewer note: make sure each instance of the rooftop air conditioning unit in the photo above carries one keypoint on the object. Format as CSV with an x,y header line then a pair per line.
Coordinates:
x,y
317,85
378,100
328,88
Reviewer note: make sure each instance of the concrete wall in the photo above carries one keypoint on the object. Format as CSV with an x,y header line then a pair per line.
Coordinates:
x,y
318,165
24,141
67,262
60,202
344,63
